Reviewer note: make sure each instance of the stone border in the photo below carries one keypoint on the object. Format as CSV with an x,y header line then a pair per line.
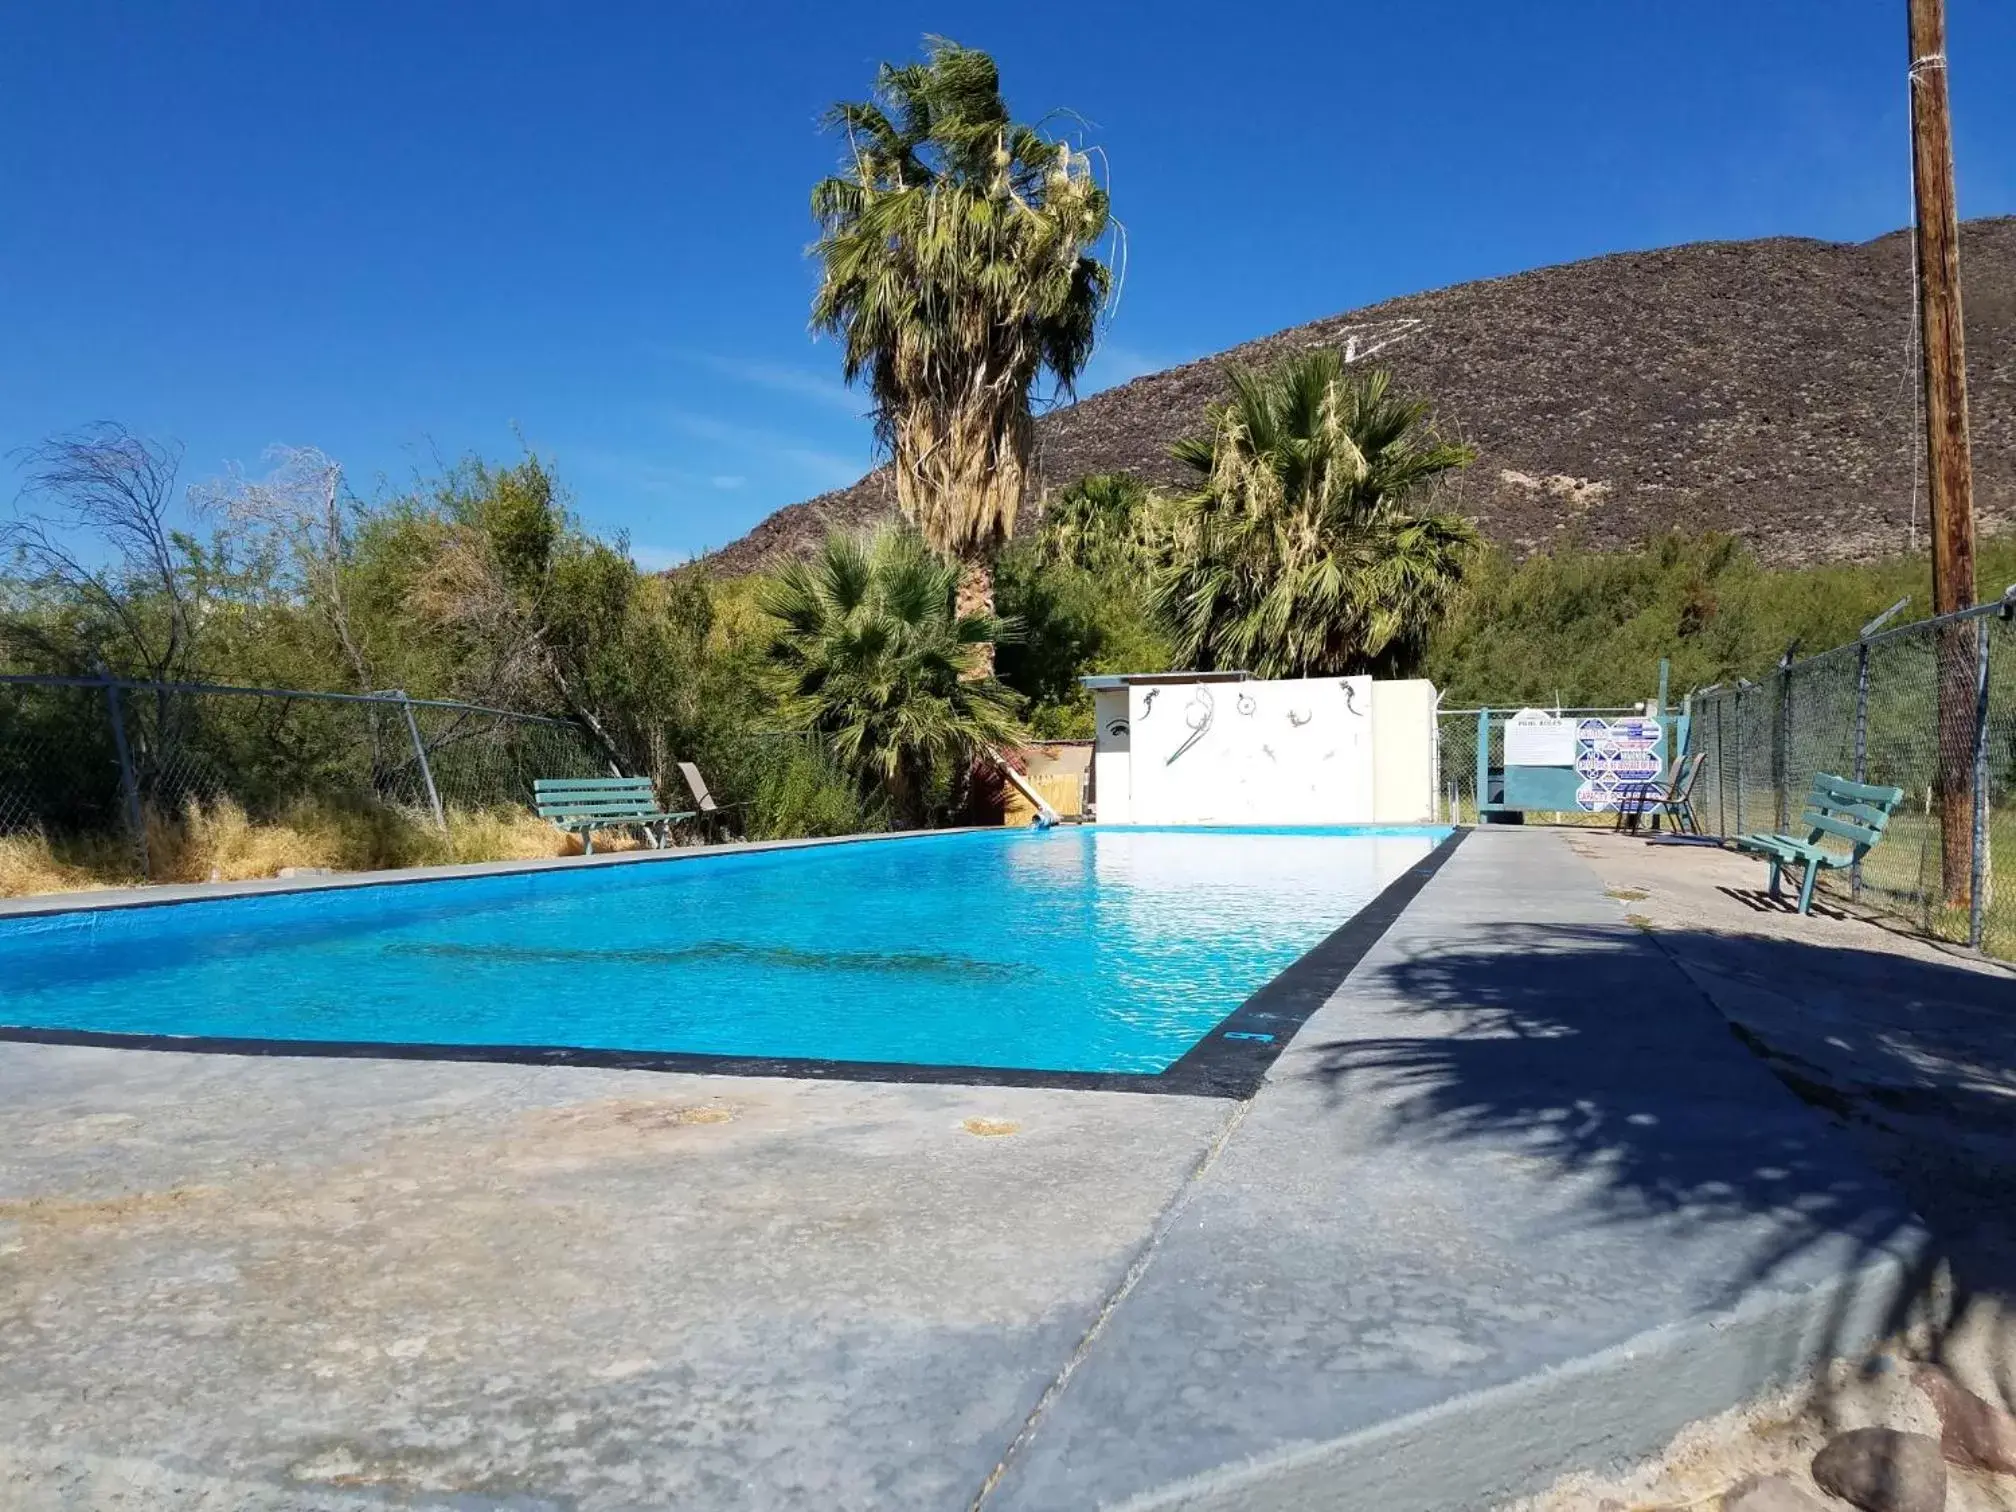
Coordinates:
x,y
200,892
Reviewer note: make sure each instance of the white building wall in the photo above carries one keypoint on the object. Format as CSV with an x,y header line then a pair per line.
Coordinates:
x,y
1111,780
1289,752
1319,750
1404,752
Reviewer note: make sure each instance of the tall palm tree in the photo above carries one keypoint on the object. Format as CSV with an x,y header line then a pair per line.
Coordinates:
x,y
873,652
1299,554
956,246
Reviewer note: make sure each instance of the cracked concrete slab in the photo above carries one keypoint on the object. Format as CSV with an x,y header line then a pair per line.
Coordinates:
x,y
1513,1200
263,1283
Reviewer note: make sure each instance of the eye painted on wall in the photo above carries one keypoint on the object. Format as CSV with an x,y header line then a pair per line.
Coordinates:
x,y
1116,728
1246,704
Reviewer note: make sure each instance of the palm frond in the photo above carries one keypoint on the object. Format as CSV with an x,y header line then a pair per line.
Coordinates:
x,y
1297,556
870,653
958,267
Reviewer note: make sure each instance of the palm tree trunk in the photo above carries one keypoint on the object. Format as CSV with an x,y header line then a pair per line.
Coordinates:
x,y
976,596
905,796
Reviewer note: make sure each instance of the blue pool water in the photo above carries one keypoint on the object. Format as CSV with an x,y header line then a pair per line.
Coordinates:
x,y
1066,950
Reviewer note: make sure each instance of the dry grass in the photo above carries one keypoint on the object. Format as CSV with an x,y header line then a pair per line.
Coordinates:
x,y
222,843
28,865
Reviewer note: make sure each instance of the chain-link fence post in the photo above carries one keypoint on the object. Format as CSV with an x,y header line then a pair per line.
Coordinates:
x,y
1483,779
1978,861
1721,770
420,756
1742,773
129,782
1861,749
1781,747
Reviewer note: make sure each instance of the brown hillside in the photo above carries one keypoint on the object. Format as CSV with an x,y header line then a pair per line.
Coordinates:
x,y
1765,387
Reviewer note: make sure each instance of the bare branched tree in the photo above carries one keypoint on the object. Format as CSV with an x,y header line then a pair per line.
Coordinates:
x,y
106,485
94,531
508,640
465,589
301,512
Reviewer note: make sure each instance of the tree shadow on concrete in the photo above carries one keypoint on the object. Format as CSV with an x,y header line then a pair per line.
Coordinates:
x,y
1607,1053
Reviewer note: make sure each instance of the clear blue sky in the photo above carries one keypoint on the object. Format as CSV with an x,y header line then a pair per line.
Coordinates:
x,y
397,231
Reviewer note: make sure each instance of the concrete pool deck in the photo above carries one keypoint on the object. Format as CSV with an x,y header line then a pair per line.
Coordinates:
x,y
1514,1200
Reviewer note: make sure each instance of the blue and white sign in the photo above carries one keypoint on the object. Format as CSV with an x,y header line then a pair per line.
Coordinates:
x,y
1615,758
1636,734
1627,766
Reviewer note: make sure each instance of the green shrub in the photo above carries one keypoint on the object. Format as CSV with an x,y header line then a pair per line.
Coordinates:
x,y
1589,627
801,791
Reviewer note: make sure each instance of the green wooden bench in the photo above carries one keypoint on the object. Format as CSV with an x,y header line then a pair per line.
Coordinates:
x,y
1837,808
585,804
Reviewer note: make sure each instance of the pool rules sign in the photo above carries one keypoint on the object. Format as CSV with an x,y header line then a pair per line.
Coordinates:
x,y
1533,737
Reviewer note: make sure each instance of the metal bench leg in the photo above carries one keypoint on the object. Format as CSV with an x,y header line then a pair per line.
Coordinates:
x,y
1806,888
588,841
1776,865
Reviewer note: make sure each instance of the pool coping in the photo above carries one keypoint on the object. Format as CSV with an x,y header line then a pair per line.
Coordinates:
x,y
171,893
1230,1060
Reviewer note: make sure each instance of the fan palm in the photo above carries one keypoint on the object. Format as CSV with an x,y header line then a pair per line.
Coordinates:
x,y
1105,522
1299,555
955,245
873,653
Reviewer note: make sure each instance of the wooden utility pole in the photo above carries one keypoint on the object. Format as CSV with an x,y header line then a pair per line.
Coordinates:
x,y
1950,474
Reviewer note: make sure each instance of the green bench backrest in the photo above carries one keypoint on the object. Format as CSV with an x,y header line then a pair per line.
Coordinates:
x,y
1853,811
583,798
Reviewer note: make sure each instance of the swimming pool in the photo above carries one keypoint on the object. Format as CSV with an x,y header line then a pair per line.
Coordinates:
x,y
1067,952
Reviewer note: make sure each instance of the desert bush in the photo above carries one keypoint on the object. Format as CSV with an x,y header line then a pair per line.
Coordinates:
x,y
220,842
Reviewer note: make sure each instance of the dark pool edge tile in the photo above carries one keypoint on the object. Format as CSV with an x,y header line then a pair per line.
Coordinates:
x,y
575,1055
1234,1057
1231,1060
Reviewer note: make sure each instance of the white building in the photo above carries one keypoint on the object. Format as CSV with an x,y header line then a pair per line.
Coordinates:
x,y
1227,748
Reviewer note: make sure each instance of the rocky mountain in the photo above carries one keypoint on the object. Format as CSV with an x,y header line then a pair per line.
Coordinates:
x,y
1767,388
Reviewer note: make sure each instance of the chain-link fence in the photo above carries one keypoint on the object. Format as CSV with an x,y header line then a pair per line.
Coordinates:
x,y
95,755
1929,708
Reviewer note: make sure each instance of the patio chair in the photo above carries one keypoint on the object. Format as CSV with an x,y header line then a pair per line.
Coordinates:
x,y
711,813
1673,796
